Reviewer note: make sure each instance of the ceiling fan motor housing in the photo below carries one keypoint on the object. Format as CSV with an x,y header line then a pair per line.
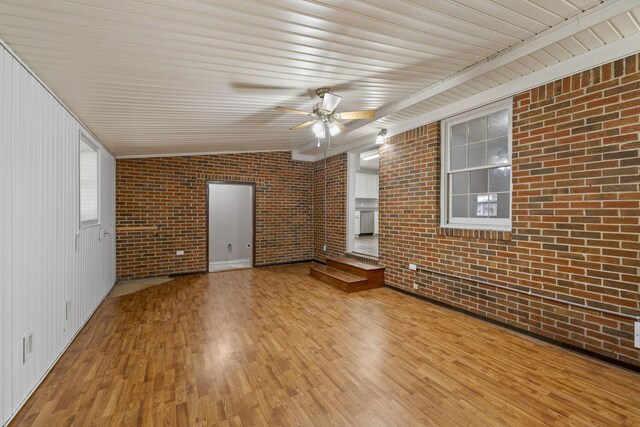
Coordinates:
x,y
321,91
320,113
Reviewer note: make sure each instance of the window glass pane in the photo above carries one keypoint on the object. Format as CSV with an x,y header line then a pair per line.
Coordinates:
x,y
477,129
460,183
458,135
479,181
477,154
459,207
499,124
458,158
500,179
483,205
504,205
88,183
498,151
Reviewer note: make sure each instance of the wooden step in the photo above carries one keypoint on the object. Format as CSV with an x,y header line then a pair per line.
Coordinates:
x,y
353,266
340,279
373,272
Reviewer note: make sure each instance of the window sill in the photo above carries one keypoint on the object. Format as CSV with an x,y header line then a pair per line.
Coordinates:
x,y
474,233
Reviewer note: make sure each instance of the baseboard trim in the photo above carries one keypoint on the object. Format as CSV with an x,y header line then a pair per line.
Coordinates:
x,y
57,359
273,264
183,273
554,342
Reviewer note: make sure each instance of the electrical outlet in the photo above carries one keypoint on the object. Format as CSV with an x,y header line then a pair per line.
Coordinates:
x,y
324,248
27,347
413,267
179,252
415,285
636,335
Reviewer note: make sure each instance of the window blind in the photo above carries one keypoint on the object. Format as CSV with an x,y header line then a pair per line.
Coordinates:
x,y
88,183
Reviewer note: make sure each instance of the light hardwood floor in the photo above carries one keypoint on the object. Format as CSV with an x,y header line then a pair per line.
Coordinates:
x,y
273,346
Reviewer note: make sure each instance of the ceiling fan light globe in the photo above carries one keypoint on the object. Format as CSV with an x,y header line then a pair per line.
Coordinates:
x,y
317,128
334,129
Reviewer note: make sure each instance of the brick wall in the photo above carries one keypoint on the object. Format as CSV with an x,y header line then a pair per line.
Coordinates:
x,y
576,209
161,208
336,206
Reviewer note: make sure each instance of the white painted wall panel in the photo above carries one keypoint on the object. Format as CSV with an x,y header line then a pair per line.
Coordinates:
x,y
40,268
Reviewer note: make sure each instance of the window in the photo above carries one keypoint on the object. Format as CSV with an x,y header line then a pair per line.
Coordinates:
x,y
89,194
476,169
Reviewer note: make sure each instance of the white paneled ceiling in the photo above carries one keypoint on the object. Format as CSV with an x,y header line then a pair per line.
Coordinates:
x,y
188,76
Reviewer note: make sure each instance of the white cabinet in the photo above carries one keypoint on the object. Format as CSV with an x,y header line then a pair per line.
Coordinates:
x,y
372,186
375,223
366,186
356,223
361,185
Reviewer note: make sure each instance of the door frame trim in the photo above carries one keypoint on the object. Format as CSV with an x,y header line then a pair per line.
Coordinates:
x,y
253,215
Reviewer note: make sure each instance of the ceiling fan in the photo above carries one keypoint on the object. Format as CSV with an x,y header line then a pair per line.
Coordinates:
x,y
324,118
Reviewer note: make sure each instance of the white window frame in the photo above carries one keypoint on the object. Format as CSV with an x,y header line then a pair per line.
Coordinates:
x,y
84,139
500,224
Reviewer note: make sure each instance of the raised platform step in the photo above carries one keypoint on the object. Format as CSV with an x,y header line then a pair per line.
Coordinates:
x,y
340,279
348,274
353,266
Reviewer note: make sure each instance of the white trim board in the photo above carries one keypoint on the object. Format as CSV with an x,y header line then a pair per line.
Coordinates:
x,y
295,155
602,55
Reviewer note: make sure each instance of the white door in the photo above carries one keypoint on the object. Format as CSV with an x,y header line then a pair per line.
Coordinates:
x,y
230,226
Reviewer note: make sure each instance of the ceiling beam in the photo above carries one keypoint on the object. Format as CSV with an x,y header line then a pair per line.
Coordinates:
x,y
594,16
602,55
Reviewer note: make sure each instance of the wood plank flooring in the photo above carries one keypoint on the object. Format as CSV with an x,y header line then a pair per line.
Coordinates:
x,y
274,346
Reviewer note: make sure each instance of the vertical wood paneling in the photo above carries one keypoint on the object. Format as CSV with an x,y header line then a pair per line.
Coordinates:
x,y
40,268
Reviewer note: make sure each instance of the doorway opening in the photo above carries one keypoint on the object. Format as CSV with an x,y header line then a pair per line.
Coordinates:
x,y
363,202
230,225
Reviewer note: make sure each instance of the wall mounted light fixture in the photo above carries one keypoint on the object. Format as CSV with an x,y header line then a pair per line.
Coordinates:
x,y
380,137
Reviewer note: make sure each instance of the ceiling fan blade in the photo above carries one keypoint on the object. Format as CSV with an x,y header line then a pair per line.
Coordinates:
x,y
342,127
303,125
330,102
291,110
358,115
